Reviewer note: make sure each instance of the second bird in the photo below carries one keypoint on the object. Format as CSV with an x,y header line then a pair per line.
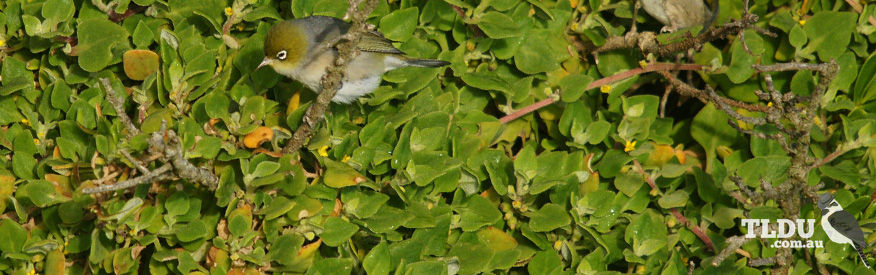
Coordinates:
x,y
294,48
681,14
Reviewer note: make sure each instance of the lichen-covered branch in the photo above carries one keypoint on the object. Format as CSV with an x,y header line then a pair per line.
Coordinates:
x,y
647,41
162,173
165,144
331,82
119,107
732,244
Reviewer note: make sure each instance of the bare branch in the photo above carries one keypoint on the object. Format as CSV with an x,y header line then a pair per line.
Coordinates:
x,y
162,173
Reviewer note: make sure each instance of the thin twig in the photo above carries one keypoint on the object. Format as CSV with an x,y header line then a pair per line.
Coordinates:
x,y
688,90
604,81
162,173
119,107
134,161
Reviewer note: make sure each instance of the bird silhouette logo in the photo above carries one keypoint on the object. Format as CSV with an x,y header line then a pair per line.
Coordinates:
x,y
841,226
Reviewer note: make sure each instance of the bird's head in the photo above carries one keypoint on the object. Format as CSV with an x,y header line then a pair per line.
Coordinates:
x,y
285,46
827,203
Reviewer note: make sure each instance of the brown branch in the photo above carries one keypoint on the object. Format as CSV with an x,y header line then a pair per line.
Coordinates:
x,y
688,90
331,81
729,111
695,229
604,81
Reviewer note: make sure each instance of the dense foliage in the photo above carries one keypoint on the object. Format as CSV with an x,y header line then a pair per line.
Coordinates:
x,y
421,177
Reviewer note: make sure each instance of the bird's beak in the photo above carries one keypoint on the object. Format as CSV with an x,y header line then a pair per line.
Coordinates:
x,y
266,61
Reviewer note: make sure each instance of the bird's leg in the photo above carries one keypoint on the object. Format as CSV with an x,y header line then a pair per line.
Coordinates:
x,y
635,14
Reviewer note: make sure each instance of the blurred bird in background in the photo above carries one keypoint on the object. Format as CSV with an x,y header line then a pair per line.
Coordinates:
x,y
681,14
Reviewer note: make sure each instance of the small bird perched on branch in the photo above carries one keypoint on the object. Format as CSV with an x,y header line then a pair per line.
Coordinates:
x,y
298,49
681,14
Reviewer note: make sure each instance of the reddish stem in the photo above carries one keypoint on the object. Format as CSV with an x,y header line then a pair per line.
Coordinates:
x,y
605,81
678,216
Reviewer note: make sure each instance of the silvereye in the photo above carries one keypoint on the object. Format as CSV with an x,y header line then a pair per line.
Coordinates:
x,y
681,14
295,48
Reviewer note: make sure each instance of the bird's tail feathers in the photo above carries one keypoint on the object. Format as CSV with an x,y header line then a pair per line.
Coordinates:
x,y
426,63
716,8
861,255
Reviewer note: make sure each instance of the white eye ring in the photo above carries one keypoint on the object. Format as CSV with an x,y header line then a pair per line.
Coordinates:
x,y
281,55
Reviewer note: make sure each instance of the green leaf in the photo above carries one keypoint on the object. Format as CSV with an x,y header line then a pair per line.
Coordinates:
x,y
545,262
177,204
646,233
677,198
399,25
377,261
265,168
97,37
23,165
525,164
573,86
278,207
284,247
498,25
769,168
710,129
829,32
337,231
143,35
191,231
362,203
496,239
339,175
15,236
740,68
15,77
56,11
477,212
531,59
549,217
42,193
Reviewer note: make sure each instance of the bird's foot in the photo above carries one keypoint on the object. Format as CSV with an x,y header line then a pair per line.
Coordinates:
x,y
668,29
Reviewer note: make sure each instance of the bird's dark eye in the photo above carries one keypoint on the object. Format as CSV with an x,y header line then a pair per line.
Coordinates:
x,y
281,55
833,204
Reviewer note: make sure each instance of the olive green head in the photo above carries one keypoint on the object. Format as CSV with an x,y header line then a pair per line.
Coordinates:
x,y
285,46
